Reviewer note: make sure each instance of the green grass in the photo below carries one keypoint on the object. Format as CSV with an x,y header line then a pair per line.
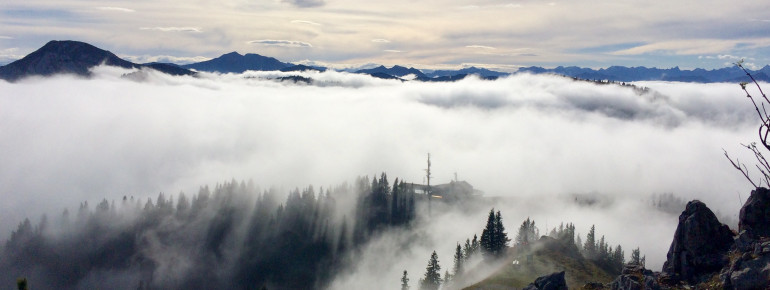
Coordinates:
x,y
578,270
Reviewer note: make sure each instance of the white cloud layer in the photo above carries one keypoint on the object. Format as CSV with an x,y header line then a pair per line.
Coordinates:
x,y
531,140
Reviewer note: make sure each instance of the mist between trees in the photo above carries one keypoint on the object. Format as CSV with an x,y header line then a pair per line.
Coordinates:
x,y
216,239
493,248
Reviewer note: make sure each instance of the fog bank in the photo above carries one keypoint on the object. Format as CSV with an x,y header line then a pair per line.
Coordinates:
x,y
532,140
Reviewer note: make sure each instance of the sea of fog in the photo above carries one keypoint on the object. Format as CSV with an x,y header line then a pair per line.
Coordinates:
x,y
534,142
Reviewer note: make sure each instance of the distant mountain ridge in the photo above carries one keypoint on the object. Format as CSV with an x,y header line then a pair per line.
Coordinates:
x,y
74,57
396,71
236,63
631,74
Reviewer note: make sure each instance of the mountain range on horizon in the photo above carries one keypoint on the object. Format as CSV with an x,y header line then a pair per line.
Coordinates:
x,y
74,57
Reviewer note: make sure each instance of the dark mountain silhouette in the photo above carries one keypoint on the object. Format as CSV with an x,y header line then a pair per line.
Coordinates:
x,y
236,63
302,67
61,57
396,71
482,72
630,74
73,57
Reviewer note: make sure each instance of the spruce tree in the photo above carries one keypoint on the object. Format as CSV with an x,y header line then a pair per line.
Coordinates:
x,y
467,249
590,245
501,237
432,279
448,278
488,236
459,259
404,282
475,245
635,257
618,258
527,233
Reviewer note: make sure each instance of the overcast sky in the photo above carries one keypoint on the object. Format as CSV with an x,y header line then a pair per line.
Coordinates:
x,y
426,33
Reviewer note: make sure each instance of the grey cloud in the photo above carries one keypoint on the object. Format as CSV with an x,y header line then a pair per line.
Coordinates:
x,y
173,29
306,3
283,43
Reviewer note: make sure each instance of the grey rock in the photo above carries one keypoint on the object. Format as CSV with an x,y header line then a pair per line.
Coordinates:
x,y
700,244
554,281
755,214
752,274
635,277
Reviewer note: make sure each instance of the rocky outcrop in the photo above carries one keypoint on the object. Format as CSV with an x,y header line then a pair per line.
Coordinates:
x,y
635,277
755,214
749,271
554,281
700,245
750,265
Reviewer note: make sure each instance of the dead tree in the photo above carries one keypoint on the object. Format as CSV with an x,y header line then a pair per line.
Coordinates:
x,y
764,132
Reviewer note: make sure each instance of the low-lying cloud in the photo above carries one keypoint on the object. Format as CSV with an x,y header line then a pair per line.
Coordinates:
x,y
532,140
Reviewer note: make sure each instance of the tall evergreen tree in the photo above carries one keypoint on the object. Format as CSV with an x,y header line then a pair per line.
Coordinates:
x,y
618,258
404,281
602,249
635,256
501,237
467,250
396,216
527,233
448,278
494,239
432,278
475,245
590,245
578,242
459,259
488,236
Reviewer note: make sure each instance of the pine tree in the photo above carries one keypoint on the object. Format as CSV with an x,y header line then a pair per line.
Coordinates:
x,y
432,279
501,237
635,257
447,279
578,241
601,249
488,236
618,258
475,245
395,209
404,282
467,249
459,259
527,233
590,246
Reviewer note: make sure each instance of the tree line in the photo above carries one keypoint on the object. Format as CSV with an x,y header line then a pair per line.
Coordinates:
x,y
494,245
233,235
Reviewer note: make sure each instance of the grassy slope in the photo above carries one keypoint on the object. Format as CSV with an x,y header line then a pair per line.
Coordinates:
x,y
544,261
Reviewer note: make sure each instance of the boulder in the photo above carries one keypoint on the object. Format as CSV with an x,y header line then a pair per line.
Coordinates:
x,y
747,272
554,281
755,214
700,244
635,277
